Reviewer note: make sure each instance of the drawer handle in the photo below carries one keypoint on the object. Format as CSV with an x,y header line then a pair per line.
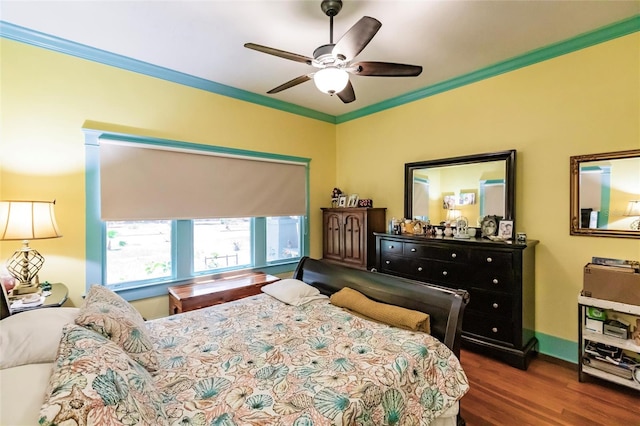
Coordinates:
x,y
489,259
391,247
444,273
494,329
495,281
388,262
413,249
495,306
453,255
419,268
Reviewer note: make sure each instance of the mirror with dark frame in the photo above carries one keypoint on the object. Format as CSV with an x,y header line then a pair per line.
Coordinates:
x,y
605,194
472,186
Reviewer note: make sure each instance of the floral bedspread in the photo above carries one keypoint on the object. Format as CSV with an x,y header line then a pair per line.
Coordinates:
x,y
258,361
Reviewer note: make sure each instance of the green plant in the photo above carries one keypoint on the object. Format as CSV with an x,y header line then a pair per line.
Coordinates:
x,y
111,235
164,267
211,261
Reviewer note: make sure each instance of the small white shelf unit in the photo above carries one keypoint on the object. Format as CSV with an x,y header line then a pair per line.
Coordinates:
x,y
584,334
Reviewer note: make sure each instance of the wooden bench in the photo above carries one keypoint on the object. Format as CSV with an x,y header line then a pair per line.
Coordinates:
x,y
188,297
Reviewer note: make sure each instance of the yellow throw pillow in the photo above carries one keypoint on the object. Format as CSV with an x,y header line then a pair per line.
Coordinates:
x,y
389,314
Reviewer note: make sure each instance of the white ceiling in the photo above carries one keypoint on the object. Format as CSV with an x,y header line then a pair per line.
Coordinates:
x,y
205,38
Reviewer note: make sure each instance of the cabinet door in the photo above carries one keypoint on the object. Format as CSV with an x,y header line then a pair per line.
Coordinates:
x,y
332,225
354,242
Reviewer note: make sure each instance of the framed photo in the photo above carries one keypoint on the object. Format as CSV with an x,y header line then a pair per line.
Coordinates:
x,y
489,226
448,202
353,200
342,201
467,198
505,229
365,202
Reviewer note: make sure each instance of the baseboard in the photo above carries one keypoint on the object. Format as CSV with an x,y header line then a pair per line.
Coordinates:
x,y
556,347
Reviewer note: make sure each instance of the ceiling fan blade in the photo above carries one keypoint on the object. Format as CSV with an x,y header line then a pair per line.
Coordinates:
x,y
357,38
290,83
386,69
279,53
347,94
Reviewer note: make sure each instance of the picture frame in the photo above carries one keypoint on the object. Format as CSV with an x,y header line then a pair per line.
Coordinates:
x,y
448,202
342,201
352,200
505,229
365,202
489,226
467,198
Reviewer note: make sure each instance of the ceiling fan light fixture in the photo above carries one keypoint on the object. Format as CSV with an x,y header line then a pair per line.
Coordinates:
x,y
331,80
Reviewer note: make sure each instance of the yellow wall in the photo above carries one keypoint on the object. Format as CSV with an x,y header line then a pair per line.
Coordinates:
x,y
584,102
46,99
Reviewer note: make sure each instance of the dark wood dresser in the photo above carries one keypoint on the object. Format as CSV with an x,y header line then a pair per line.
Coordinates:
x,y
500,279
347,235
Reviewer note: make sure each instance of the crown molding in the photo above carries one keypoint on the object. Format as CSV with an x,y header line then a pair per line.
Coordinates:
x,y
609,32
60,45
45,41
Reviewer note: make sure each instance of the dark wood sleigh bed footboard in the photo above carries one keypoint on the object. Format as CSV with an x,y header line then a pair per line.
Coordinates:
x,y
444,306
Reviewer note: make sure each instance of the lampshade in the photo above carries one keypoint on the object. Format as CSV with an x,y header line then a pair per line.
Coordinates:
x,y
26,220
453,214
633,208
331,80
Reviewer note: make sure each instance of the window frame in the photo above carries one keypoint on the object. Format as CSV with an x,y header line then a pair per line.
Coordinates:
x,y
182,230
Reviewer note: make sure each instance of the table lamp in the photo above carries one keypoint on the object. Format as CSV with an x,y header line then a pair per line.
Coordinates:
x,y
633,209
453,215
26,220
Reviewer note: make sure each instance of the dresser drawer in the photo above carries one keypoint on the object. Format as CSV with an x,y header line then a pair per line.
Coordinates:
x,y
494,279
396,265
425,251
449,274
498,260
490,303
391,247
495,328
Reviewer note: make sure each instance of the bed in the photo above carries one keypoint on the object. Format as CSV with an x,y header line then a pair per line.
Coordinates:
x,y
289,356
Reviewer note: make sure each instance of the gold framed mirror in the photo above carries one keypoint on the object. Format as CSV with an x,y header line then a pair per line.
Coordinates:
x,y
605,194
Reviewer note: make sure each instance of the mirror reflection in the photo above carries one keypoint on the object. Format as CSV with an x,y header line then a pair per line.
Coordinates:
x,y
470,190
472,187
605,194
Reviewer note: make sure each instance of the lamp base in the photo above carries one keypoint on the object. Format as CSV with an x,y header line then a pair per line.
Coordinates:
x,y
25,289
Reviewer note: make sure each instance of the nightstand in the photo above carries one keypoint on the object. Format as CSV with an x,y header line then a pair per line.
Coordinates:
x,y
59,295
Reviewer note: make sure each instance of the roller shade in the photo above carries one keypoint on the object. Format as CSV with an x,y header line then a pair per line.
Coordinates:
x,y
144,182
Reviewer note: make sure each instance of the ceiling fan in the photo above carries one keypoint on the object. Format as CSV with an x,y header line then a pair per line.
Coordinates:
x,y
333,60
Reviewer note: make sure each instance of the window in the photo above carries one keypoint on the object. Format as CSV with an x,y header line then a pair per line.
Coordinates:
x,y
221,243
160,212
138,251
283,238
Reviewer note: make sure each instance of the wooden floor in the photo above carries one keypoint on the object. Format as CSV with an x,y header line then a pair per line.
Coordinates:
x,y
548,393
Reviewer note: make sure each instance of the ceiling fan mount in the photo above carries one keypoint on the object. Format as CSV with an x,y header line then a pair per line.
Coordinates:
x,y
331,7
333,60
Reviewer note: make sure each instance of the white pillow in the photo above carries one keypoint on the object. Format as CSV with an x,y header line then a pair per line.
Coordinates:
x,y
33,336
293,292
23,390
